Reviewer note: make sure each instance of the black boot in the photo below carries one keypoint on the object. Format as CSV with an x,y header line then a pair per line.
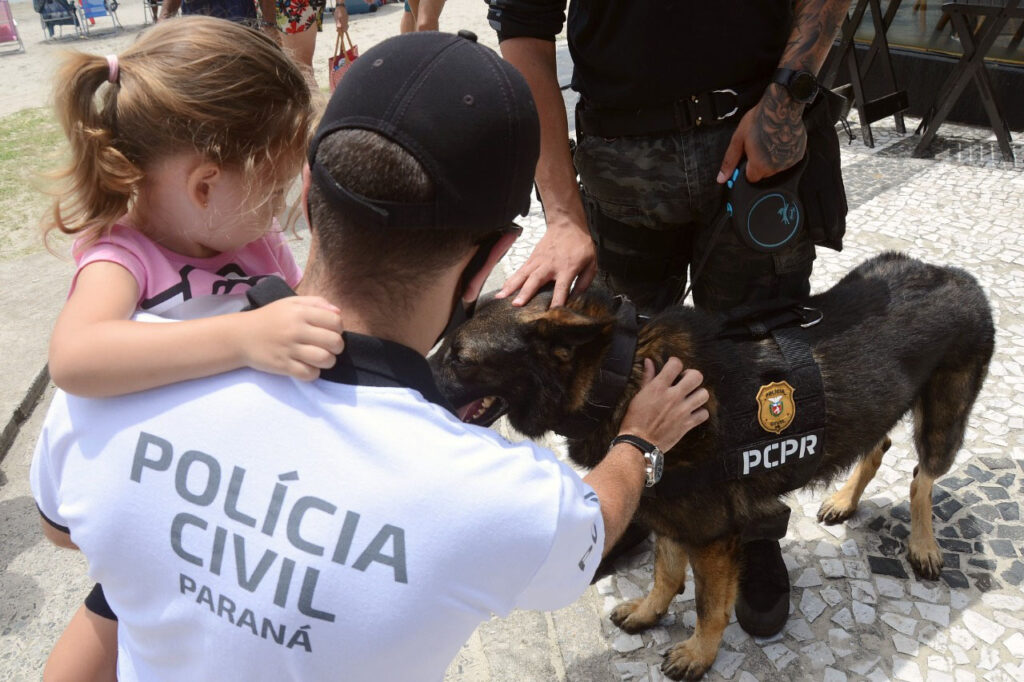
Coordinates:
x,y
762,605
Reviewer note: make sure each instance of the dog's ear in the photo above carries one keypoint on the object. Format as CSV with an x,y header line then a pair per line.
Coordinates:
x,y
565,327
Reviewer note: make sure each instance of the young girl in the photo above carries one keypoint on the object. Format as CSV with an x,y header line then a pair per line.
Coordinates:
x,y
181,150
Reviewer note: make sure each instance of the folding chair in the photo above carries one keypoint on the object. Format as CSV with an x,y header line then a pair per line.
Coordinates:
x,y
90,10
9,36
54,15
150,10
977,39
895,102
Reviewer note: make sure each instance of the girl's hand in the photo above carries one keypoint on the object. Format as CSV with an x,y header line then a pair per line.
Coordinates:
x,y
296,336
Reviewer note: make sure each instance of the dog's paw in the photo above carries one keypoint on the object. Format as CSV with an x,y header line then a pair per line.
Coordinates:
x,y
688,661
926,560
631,616
835,509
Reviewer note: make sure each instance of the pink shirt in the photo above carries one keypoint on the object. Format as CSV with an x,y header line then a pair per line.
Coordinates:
x,y
183,287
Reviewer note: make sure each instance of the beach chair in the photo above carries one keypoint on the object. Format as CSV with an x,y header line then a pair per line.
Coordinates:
x,y
90,10
54,15
9,36
150,10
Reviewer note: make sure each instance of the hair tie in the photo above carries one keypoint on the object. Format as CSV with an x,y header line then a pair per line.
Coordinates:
x,y
112,68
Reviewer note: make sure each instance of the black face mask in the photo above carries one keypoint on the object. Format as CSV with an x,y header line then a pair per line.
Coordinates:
x,y
462,311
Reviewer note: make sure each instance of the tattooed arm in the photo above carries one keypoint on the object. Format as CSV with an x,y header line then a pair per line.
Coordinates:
x,y
772,134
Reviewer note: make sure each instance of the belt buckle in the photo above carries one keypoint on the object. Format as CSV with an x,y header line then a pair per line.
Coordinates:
x,y
734,109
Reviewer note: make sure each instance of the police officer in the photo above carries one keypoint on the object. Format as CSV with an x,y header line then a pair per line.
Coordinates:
x,y
673,95
354,527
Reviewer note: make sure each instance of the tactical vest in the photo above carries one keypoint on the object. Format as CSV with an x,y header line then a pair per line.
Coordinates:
x,y
773,421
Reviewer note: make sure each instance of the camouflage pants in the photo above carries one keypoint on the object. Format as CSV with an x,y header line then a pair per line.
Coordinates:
x,y
651,203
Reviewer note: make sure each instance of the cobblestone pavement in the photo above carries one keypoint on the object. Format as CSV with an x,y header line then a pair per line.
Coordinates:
x,y
857,611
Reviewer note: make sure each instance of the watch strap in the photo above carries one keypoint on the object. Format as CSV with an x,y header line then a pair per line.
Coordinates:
x,y
653,456
784,77
644,446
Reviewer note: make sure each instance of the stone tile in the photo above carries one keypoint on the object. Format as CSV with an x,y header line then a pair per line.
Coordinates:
x,y
887,566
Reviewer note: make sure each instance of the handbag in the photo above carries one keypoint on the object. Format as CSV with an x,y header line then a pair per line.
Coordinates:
x,y
342,59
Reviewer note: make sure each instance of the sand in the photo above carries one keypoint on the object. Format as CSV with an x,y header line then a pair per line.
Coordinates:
x,y
28,78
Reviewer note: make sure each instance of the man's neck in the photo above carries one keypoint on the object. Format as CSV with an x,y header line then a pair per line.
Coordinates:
x,y
415,323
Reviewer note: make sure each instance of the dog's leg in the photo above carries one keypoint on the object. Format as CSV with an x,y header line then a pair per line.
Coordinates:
x,y
844,501
716,579
923,551
940,419
669,580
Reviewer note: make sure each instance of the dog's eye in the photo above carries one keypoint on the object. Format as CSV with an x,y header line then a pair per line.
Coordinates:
x,y
455,356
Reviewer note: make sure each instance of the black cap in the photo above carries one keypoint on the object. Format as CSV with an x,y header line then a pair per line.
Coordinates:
x,y
461,110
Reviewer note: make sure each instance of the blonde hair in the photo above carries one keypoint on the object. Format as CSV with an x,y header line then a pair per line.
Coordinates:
x,y
195,83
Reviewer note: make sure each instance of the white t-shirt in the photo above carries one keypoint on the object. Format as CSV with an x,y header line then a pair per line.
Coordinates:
x,y
251,526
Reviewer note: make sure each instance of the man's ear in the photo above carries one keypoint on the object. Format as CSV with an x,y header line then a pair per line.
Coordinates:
x,y
498,251
307,181
566,327
201,181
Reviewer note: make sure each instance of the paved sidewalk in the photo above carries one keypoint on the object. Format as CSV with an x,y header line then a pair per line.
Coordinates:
x,y
857,611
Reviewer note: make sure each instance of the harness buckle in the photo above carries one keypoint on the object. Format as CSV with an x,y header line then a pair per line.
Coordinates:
x,y
735,108
816,320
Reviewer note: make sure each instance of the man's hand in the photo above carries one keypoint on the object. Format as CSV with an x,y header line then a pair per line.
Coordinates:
x,y
662,412
565,253
771,136
296,336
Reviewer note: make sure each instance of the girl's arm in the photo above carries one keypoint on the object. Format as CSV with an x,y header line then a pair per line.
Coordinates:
x,y
97,351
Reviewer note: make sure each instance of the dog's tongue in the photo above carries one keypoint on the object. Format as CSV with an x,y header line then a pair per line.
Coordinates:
x,y
468,410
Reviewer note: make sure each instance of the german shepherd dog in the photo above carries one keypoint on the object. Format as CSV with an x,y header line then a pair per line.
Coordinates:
x,y
896,335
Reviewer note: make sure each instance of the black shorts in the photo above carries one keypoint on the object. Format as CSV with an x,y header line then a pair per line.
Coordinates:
x,y
97,603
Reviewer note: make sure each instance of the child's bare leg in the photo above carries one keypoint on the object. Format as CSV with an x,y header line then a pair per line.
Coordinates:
x,y
86,652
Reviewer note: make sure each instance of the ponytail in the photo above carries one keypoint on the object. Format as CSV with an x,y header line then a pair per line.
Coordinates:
x,y
99,181
209,86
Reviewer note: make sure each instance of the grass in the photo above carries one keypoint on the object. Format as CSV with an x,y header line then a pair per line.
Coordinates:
x,y
31,143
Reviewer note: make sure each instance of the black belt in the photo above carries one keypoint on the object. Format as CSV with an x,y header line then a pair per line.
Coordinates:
x,y
706,108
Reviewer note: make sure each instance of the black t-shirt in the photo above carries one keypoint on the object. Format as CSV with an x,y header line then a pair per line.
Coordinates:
x,y
636,53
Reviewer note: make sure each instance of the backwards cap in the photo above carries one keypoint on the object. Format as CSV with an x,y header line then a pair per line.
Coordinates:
x,y
463,112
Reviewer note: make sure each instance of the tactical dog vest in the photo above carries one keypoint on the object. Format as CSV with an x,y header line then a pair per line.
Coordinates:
x,y
772,422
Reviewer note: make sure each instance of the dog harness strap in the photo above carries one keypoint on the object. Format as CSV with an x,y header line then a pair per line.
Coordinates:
x,y
611,378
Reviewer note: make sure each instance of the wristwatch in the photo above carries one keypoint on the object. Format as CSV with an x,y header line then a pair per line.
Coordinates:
x,y
652,455
801,85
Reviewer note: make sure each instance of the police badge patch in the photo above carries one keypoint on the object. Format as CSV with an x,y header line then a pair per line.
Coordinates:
x,y
775,407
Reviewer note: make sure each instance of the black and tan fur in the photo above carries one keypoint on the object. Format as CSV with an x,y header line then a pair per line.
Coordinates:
x,y
898,335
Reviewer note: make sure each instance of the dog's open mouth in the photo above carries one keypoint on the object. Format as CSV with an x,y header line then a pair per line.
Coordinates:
x,y
483,411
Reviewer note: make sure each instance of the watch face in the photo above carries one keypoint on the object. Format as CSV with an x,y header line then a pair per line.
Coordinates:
x,y
802,86
659,465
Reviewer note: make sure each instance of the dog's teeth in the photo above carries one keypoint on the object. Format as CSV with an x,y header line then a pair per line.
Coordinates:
x,y
486,403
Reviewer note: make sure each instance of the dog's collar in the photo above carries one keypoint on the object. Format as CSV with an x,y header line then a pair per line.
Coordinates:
x,y
611,378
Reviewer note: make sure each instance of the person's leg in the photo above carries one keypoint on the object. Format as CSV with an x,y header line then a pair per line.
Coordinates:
x,y
636,196
299,36
428,15
87,650
408,24
734,274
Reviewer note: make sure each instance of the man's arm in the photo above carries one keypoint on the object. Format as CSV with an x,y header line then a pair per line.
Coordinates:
x,y
661,413
565,252
772,135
